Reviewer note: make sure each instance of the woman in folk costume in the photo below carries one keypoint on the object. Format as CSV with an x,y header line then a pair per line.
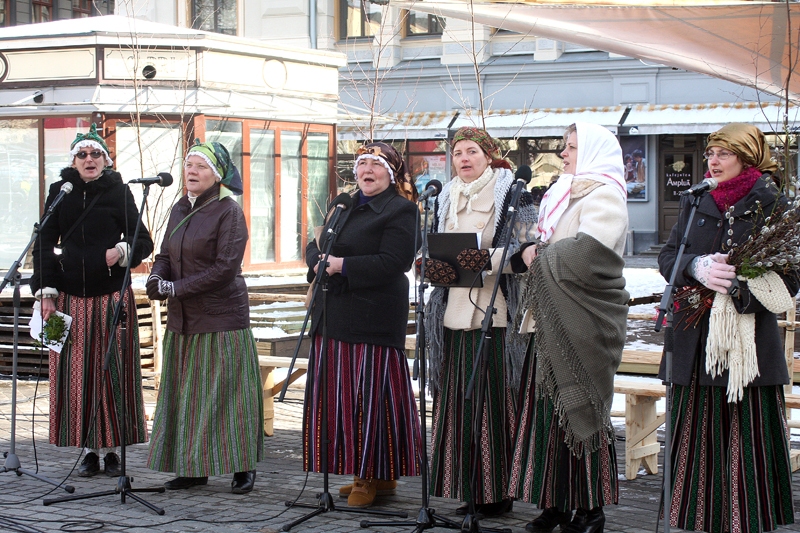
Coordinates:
x,y
564,455
208,419
94,227
730,450
475,200
373,423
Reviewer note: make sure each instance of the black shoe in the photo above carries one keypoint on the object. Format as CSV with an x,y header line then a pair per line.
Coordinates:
x,y
243,482
587,521
112,465
90,465
180,483
548,520
487,509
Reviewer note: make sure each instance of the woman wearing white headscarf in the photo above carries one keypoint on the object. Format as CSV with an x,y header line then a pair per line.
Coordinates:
x,y
564,456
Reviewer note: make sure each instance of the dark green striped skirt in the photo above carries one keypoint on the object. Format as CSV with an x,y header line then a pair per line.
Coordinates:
x,y
209,418
453,453
730,461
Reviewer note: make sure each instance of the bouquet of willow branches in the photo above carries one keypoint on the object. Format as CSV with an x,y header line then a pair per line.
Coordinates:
x,y
774,246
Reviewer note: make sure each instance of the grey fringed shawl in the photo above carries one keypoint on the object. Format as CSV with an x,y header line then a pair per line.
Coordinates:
x,y
577,294
516,343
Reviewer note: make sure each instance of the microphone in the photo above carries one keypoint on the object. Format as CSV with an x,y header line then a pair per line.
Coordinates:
x,y
523,173
343,201
164,179
708,184
433,188
65,190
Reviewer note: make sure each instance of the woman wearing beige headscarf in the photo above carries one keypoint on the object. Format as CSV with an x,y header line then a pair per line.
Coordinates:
x,y
730,451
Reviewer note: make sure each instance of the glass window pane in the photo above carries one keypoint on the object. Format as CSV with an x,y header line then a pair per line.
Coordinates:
x,y
318,190
291,196
373,15
424,23
203,12
226,17
229,134
262,196
145,151
19,185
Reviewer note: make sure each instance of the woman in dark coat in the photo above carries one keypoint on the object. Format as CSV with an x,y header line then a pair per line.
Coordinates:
x,y
373,423
209,417
94,227
730,451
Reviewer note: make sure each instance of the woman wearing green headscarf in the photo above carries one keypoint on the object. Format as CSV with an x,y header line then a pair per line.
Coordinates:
x,y
209,417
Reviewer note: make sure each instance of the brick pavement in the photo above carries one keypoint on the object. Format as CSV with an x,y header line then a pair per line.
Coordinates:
x,y
213,507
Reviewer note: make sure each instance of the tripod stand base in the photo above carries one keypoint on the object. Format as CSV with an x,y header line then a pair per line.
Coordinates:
x,y
426,519
12,465
325,505
123,489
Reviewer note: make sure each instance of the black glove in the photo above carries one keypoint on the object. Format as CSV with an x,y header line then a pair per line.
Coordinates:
x,y
473,259
439,272
152,286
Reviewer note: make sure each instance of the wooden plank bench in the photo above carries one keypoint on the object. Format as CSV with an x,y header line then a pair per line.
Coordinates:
x,y
268,363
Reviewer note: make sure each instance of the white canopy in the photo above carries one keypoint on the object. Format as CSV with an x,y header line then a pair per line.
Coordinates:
x,y
743,42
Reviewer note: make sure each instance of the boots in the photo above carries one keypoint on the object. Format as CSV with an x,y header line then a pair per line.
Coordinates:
x,y
587,521
363,493
383,488
549,520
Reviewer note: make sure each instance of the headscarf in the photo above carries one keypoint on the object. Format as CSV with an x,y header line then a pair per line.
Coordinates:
x,y
599,158
747,142
90,140
485,141
390,158
218,158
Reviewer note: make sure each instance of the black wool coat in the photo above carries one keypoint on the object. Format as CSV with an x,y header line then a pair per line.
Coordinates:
x,y
369,304
81,268
708,234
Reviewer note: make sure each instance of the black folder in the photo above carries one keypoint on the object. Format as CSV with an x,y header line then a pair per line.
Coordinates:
x,y
446,247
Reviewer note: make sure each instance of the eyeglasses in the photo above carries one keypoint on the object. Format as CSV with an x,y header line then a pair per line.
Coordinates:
x,y
96,154
722,155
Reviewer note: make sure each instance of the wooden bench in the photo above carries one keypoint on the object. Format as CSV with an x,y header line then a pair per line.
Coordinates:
x,y
268,364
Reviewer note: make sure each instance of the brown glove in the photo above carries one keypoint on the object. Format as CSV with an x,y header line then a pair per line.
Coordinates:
x,y
439,272
473,259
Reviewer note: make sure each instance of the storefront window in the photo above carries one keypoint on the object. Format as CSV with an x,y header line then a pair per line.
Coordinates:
x,y
58,135
427,160
318,188
262,196
291,195
19,186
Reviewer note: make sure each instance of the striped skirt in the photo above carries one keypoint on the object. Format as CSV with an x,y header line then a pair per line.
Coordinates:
x,y
85,400
730,461
544,471
373,422
209,418
453,454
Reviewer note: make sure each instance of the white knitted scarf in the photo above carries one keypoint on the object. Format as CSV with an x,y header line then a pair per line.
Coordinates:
x,y
731,342
470,190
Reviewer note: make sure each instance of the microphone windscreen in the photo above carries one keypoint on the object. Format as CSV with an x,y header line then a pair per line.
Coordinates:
x,y
712,183
343,199
524,173
67,188
166,179
436,184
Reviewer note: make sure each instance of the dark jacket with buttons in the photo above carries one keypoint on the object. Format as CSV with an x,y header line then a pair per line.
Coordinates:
x,y
203,259
369,304
81,269
708,235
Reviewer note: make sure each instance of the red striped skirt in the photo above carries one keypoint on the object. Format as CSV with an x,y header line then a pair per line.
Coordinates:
x,y
730,461
373,422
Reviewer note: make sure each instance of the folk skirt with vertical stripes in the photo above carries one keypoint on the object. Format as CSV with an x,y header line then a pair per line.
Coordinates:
x,y
544,470
85,400
209,417
453,455
730,461
372,423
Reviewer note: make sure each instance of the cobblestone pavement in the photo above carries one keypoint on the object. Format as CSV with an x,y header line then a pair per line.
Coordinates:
x,y
213,507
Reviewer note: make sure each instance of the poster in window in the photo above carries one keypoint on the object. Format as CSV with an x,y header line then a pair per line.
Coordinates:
x,y
635,167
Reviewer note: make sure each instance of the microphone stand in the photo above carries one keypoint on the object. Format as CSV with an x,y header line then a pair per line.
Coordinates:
x,y
123,487
12,463
324,499
471,523
667,308
427,517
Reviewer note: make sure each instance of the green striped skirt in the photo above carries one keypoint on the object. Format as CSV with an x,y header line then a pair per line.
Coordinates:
x,y
730,461
544,470
85,400
209,418
453,453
